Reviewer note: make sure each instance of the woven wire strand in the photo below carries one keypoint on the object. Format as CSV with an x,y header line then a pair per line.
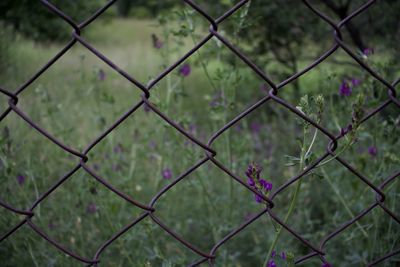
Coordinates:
x,y
316,250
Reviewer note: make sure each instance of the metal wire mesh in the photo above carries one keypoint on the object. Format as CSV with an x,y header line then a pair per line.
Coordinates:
x,y
210,153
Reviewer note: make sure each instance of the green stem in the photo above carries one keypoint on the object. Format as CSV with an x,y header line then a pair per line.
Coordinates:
x,y
169,87
208,203
230,180
335,118
227,139
346,207
32,256
122,248
336,155
292,203
279,231
203,65
312,143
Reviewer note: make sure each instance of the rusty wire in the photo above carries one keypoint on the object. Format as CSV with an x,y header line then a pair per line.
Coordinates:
x,y
210,153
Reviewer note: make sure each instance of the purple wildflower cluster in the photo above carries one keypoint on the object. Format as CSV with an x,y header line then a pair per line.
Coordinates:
x,y
346,87
271,262
254,180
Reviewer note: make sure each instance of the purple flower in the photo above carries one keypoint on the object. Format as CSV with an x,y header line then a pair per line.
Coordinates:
x,y
283,255
91,208
355,82
102,75
166,173
249,171
253,171
346,130
253,179
349,127
185,70
266,185
258,198
271,263
157,43
342,131
118,149
344,89
250,182
255,127
373,151
326,264
368,51
21,179
263,182
273,253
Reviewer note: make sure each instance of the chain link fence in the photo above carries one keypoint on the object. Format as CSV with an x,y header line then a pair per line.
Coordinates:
x,y
317,250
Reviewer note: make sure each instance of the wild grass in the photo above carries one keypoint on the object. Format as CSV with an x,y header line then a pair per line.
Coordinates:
x,y
76,105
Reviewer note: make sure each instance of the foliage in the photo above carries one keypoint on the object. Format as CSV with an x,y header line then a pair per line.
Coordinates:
x,y
34,20
7,38
284,29
153,7
79,97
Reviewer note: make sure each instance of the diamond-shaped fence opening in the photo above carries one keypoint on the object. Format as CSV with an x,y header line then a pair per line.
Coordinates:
x,y
145,219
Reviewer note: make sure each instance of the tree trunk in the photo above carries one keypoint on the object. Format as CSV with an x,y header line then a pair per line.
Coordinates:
x,y
342,12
